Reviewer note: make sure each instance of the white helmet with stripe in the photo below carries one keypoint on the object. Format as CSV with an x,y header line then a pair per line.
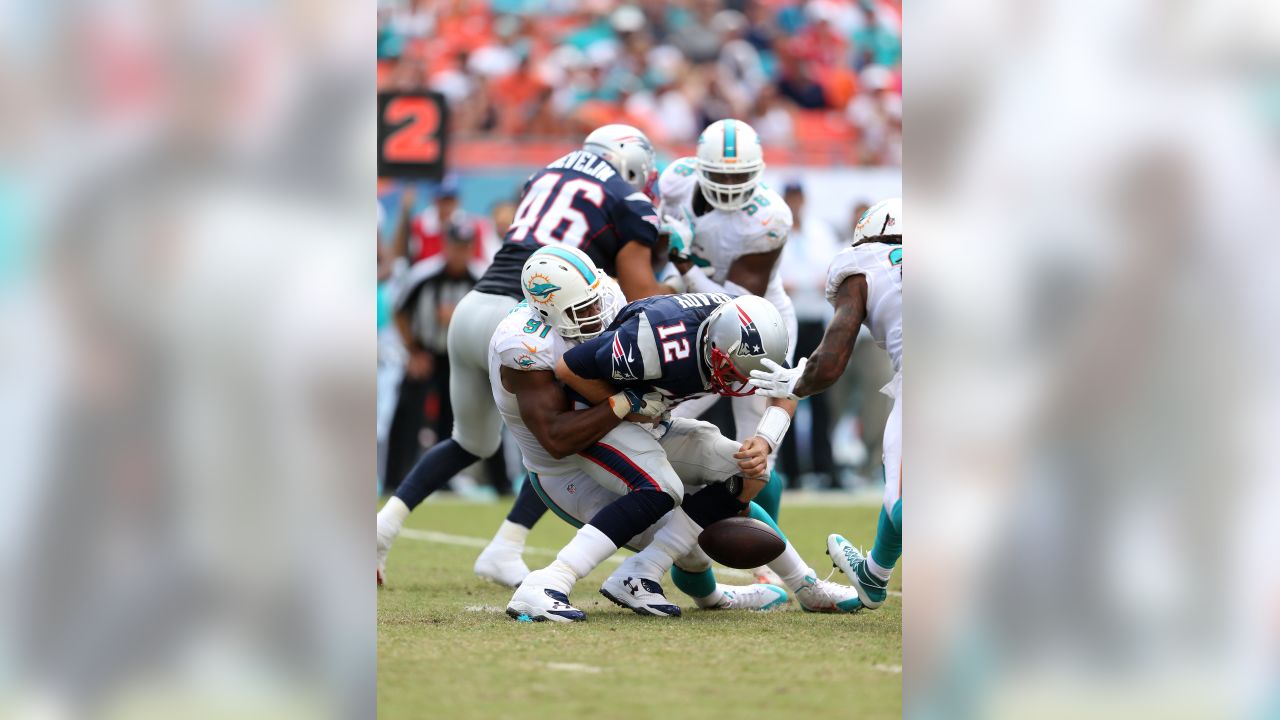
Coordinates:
x,y
739,336
730,163
567,289
881,222
629,151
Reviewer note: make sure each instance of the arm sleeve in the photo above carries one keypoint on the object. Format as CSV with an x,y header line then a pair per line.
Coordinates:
x,y
591,359
635,218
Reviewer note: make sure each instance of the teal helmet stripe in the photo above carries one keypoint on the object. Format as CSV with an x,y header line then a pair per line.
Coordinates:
x,y
570,258
730,139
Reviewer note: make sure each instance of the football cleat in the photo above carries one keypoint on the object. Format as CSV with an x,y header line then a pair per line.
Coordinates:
x,y
765,576
500,562
385,538
761,597
540,604
640,595
872,591
823,596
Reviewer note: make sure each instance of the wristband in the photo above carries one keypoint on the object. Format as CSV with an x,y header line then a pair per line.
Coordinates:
x,y
773,425
621,404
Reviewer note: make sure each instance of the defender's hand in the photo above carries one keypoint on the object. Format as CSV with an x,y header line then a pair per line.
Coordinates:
x,y
777,382
679,238
753,458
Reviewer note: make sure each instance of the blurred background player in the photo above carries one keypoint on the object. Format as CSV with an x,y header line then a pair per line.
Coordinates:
x,y
593,198
864,284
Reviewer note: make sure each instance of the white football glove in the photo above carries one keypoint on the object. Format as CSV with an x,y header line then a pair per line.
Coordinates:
x,y
778,382
679,237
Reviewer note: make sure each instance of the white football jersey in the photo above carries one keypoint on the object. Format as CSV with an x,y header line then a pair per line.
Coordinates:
x,y
722,236
882,265
524,342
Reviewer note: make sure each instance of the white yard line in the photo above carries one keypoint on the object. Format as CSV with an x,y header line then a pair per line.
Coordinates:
x,y
573,667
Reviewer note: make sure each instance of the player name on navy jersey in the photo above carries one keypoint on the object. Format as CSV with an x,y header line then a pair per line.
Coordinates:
x,y
578,200
652,345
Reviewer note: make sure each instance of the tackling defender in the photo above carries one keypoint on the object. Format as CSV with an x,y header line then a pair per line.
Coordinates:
x,y
679,347
568,300
594,199
864,284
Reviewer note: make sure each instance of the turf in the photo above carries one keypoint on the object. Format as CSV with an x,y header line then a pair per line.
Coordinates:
x,y
446,650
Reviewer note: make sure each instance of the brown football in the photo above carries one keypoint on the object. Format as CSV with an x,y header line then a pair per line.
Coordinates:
x,y
741,542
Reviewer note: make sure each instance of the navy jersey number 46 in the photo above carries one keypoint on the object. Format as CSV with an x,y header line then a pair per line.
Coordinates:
x,y
577,200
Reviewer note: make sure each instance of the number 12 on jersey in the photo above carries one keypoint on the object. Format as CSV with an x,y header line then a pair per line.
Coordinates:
x,y
673,350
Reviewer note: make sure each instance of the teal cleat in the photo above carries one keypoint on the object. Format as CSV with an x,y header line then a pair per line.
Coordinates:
x,y
872,591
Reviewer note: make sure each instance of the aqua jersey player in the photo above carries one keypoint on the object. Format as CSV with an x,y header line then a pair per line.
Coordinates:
x,y
864,283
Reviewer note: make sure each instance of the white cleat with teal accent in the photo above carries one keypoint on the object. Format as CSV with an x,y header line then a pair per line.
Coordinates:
x,y
823,596
539,604
757,598
871,590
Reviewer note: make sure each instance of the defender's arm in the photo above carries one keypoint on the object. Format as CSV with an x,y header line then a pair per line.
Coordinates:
x,y
828,361
550,416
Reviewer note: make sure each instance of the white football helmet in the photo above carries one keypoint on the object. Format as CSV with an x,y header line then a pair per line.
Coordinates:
x,y
730,163
739,335
567,289
629,152
881,222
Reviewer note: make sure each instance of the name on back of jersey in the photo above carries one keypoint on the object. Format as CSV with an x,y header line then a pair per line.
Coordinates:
x,y
692,300
585,163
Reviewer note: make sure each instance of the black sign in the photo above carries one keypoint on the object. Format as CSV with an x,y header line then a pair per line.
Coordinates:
x,y
412,134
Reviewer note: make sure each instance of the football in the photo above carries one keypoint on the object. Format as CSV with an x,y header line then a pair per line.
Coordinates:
x,y
741,542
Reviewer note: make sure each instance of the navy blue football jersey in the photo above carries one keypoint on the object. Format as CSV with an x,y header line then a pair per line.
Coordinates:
x,y
579,200
652,345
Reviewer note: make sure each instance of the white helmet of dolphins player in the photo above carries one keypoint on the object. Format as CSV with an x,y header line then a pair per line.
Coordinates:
x,y
740,335
629,152
567,289
730,163
881,222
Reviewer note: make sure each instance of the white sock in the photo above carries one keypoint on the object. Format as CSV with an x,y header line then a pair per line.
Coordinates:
x,y
791,568
512,533
585,551
677,537
715,598
391,517
880,573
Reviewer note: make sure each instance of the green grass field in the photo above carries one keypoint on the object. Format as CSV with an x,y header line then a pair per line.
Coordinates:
x,y
446,650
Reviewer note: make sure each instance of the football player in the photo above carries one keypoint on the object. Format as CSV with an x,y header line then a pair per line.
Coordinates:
x,y
737,228
595,199
676,348
568,300
864,284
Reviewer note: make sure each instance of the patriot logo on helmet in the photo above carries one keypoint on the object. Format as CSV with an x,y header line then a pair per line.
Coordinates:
x,y
751,344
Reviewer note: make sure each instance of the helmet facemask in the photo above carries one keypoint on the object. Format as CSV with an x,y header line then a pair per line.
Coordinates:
x,y
728,187
726,379
587,318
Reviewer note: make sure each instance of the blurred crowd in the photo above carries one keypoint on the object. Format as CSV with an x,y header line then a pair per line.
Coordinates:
x,y
811,72
431,251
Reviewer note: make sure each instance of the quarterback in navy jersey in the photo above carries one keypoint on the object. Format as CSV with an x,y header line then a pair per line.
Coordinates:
x,y
667,344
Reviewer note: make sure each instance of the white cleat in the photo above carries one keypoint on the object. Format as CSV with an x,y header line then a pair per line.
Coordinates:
x,y
758,598
850,561
385,537
500,562
823,596
765,576
541,604
640,595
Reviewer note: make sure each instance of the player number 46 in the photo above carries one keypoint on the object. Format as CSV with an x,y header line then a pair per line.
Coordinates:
x,y
677,349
